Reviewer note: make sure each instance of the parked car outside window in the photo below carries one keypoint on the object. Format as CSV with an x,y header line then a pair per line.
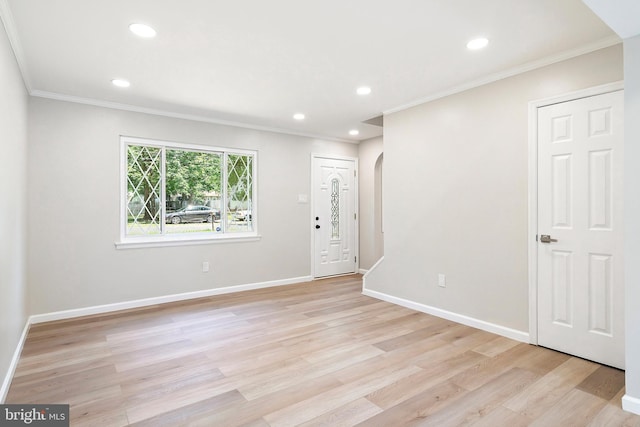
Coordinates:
x,y
193,214
243,215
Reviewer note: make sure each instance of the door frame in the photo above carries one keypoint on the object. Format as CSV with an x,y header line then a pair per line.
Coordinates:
x,y
356,231
532,246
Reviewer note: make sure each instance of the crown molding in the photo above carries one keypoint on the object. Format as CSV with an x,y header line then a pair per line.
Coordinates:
x,y
9,26
562,56
6,16
174,115
7,19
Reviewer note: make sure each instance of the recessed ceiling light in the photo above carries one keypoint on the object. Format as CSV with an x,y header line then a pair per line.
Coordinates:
x,y
363,90
120,83
478,43
298,116
142,30
354,132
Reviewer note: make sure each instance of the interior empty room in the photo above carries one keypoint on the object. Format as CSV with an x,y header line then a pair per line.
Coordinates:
x,y
340,213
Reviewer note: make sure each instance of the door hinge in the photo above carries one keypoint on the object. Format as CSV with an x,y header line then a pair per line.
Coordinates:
x,y
536,237
354,173
355,259
354,216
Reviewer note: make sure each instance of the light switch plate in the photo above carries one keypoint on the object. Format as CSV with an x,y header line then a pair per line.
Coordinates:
x,y
442,280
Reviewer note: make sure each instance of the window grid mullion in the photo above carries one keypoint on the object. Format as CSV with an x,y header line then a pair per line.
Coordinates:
x,y
163,191
224,215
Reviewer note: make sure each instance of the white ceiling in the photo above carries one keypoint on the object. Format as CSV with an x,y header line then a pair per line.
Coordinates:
x,y
258,62
623,16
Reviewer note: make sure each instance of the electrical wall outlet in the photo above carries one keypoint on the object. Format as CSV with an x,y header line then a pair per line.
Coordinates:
x,y
442,280
205,266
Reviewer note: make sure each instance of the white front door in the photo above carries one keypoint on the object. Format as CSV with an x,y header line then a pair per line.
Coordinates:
x,y
334,216
580,270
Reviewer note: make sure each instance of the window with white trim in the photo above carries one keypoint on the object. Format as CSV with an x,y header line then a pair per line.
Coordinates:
x,y
173,192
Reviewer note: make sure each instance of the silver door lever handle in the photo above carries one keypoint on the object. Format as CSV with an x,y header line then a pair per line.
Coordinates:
x,y
545,238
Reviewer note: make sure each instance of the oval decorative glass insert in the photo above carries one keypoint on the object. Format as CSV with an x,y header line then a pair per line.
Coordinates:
x,y
335,208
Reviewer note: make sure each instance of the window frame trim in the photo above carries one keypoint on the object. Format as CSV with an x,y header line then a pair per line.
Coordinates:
x,y
182,239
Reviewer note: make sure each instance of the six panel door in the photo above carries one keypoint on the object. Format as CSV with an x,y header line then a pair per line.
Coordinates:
x,y
580,270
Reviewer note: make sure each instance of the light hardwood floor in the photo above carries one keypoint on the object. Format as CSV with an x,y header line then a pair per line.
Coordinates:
x,y
317,353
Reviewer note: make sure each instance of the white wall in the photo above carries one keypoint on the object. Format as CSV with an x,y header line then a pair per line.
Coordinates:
x,y
632,217
74,216
455,201
13,204
370,236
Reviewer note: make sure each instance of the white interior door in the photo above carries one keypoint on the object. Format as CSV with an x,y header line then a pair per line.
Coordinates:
x,y
580,270
334,211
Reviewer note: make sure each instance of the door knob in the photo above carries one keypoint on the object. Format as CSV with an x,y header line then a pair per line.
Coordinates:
x,y
545,238
317,226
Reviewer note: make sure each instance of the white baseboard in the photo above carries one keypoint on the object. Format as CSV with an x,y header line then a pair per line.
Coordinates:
x,y
631,404
14,363
373,267
87,311
99,309
362,271
449,315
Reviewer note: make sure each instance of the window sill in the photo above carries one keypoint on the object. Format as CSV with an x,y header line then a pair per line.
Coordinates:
x,y
182,240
